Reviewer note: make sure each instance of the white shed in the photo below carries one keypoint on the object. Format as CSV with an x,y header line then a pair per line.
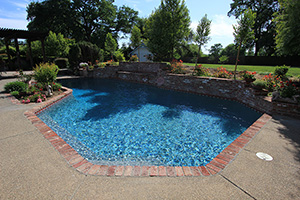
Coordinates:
x,y
143,53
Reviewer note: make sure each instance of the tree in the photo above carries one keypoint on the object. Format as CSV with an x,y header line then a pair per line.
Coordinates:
x,y
135,37
51,15
202,34
56,45
167,27
215,50
288,28
83,20
243,32
110,45
264,26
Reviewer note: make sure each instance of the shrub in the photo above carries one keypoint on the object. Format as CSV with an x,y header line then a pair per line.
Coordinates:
x,y
15,93
119,56
62,63
74,56
286,89
200,71
45,73
281,71
16,86
223,59
260,83
271,81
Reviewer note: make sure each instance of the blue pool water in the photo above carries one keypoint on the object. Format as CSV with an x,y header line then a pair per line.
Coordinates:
x,y
120,123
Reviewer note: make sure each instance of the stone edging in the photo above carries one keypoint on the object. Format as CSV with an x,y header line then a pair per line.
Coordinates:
x,y
84,166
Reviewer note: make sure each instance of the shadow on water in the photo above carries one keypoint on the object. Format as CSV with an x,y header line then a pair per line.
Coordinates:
x,y
113,96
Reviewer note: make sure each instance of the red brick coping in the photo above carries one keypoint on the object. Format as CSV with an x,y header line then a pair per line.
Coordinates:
x,y
84,166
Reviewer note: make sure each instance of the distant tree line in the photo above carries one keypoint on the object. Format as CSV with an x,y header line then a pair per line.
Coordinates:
x,y
95,26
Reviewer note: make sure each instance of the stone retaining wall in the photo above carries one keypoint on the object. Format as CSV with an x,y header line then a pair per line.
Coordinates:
x,y
154,74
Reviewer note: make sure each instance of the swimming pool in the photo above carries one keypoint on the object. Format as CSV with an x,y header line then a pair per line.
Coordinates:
x,y
114,122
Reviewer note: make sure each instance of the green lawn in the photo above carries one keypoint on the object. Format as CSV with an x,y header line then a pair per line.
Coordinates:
x,y
293,71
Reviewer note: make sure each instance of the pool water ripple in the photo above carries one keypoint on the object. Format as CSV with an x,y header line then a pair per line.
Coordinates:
x,y
113,122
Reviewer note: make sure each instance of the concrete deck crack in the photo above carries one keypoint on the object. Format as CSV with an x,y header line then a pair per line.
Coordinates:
x,y
13,136
76,190
238,187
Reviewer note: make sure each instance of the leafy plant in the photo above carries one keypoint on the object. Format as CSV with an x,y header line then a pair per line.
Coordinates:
x,y
223,59
119,56
56,86
15,93
200,71
62,63
45,73
281,71
286,89
259,83
271,82
16,86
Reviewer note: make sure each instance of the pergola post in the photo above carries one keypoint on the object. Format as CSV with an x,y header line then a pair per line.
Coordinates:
x,y
7,52
30,52
18,53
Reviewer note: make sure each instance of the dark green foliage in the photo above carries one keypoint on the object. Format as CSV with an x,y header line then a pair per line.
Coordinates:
x,y
15,93
15,86
74,56
264,26
56,86
62,63
167,27
288,28
281,71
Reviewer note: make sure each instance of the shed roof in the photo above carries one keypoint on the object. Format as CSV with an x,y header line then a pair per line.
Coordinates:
x,y
141,45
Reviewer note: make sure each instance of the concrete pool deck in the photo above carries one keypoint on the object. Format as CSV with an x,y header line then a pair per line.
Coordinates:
x,y
30,168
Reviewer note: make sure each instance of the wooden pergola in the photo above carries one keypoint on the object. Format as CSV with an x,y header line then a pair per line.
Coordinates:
x,y
9,34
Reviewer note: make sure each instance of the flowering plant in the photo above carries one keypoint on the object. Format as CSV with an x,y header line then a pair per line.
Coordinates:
x,y
134,58
249,75
200,71
177,67
271,81
222,73
286,89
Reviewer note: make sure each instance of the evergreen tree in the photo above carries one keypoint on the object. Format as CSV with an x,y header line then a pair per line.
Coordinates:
x,y
167,27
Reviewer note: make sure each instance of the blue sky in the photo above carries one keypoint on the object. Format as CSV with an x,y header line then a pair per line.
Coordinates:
x,y
13,15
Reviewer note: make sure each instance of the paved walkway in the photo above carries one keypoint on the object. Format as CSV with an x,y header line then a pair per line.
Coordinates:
x,y
30,168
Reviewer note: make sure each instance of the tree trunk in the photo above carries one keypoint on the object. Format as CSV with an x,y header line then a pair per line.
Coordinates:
x,y
198,55
237,60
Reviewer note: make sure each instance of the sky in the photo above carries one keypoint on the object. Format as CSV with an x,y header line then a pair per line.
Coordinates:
x,y
13,15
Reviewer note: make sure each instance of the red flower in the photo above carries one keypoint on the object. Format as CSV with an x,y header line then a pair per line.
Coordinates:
x,y
274,85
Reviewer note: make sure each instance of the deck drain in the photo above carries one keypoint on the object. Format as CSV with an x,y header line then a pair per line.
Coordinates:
x,y
264,156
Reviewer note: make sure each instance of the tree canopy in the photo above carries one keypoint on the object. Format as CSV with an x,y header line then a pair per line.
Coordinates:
x,y
88,20
167,27
288,28
264,26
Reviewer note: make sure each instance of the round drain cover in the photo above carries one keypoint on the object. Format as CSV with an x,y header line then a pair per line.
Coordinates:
x,y
264,156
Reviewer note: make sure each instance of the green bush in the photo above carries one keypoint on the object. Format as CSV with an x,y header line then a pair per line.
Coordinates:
x,y
34,98
223,59
260,83
56,86
281,71
119,56
45,73
62,63
15,93
15,86
74,56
